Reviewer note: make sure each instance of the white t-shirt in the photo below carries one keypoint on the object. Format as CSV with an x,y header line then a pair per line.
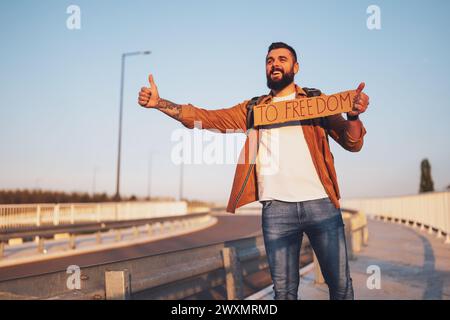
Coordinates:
x,y
284,167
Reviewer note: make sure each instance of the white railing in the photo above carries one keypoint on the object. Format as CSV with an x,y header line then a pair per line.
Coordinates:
x,y
427,209
27,215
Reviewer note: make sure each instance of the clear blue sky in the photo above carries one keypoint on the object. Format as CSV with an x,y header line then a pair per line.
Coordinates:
x,y
59,90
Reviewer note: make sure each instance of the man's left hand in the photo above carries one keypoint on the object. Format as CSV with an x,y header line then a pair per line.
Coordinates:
x,y
360,102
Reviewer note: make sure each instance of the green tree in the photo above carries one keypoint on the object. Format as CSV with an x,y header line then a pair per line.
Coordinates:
x,y
426,182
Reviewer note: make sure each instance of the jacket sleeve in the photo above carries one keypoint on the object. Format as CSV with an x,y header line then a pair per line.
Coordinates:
x,y
337,128
224,120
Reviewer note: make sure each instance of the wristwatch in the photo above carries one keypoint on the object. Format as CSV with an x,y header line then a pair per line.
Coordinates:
x,y
352,118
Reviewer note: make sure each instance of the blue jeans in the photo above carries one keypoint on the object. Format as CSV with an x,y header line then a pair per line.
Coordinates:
x,y
283,224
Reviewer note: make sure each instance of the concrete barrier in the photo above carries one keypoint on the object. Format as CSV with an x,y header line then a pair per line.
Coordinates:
x,y
430,211
36,215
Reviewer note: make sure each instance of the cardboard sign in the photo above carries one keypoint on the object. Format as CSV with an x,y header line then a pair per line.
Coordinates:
x,y
304,108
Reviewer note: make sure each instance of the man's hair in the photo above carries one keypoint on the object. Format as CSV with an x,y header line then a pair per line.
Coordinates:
x,y
278,45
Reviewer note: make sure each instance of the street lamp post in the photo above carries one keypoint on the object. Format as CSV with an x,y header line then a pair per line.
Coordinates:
x,y
122,78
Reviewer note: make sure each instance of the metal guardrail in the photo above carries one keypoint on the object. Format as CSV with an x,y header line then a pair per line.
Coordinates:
x,y
29,215
426,210
356,231
173,275
39,234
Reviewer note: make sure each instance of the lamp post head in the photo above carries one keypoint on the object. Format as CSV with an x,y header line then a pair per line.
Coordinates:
x,y
136,53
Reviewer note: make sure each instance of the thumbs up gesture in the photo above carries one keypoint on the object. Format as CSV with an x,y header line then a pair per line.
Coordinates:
x,y
149,97
361,101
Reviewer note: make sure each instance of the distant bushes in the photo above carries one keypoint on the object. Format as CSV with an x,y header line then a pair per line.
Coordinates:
x,y
44,196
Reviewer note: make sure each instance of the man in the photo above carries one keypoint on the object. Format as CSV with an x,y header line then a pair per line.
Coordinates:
x,y
293,175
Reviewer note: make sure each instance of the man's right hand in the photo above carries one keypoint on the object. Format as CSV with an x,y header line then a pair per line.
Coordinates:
x,y
149,97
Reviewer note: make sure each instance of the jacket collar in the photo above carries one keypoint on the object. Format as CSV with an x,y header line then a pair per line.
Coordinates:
x,y
300,91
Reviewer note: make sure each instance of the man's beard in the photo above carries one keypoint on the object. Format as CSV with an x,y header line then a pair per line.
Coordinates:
x,y
282,83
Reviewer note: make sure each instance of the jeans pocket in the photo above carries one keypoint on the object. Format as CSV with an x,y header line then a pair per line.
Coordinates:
x,y
266,204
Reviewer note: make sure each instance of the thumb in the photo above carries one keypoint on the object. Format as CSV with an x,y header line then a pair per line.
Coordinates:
x,y
151,81
360,88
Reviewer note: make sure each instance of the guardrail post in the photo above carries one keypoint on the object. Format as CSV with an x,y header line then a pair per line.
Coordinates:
x,y
118,235
56,215
365,235
356,233
127,211
117,285
157,228
72,243
318,276
98,237
149,230
233,274
38,216
72,214
97,212
174,226
40,244
349,239
135,232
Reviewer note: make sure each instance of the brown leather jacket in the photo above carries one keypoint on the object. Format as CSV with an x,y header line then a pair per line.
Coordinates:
x,y
315,131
